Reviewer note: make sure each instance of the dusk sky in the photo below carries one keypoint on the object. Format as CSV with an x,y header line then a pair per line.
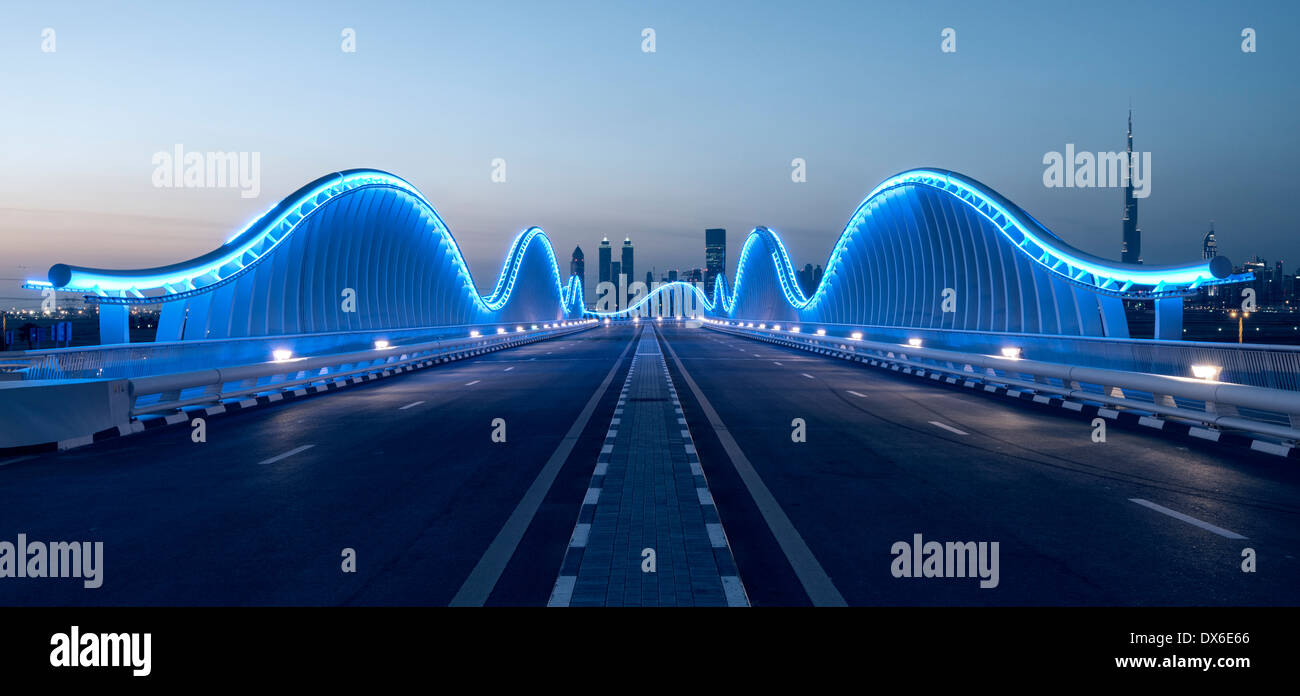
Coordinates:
x,y
601,138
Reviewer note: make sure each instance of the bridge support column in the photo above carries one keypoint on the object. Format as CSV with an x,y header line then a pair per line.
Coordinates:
x,y
1169,319
114,324
171,321
1113,320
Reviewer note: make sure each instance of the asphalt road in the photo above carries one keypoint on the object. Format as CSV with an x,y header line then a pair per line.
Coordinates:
x,y
405,472
402,470
888,456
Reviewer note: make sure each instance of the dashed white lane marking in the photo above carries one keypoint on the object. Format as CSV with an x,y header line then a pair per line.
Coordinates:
x,y
778,362
15,460
286,455
509,368
821,590
805,374
1187,518
410,405
857,394
470,384
949,428
478,586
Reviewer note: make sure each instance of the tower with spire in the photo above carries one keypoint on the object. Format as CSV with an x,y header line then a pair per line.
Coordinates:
x,y
1209,244
1131,250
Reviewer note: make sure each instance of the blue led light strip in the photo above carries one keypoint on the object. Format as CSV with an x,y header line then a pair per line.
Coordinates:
x,y
245,249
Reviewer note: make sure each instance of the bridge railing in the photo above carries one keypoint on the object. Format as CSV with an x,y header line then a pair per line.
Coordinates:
x,y
143,359
1205,401
169,392
1260,365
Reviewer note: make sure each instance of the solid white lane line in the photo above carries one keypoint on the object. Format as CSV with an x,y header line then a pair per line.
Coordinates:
x,y
805,374
949,428
290,453
411,405
857,394
509,368
1187,518
478,586
470,384
816,583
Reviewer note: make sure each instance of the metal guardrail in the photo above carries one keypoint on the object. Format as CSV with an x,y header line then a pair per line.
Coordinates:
x,y
1256,364
169,392
1214,404
131,360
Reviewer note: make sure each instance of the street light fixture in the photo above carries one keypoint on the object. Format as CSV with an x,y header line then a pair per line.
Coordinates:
x,y
1241,321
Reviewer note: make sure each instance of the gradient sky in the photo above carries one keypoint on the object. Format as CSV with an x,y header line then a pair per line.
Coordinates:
x,y
601,138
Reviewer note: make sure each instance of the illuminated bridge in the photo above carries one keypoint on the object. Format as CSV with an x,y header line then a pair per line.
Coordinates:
x,y
331,377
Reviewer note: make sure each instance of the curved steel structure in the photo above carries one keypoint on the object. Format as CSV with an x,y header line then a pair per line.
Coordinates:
x,y
930,248
363,250
352,251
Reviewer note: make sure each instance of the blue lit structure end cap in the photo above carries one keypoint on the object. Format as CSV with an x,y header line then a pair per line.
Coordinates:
x,y
1220,266
60,274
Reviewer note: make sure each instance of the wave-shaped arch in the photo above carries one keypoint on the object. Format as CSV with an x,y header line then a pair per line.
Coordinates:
x,y
929,235
354,250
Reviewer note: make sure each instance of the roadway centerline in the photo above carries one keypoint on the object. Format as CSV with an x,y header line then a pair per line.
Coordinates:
x,y
816,583
949,428
476,589
857,394
470,384
286,455
410,405
1187,518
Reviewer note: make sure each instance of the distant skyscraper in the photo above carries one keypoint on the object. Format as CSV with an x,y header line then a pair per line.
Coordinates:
x,y
627,260
1131,250
817,277
715,254
578,267
649,278
1209,245
614,272
672,275
605,256
805,278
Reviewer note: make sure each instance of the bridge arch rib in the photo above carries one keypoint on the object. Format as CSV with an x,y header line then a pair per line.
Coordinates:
x,y
355,250
929,235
